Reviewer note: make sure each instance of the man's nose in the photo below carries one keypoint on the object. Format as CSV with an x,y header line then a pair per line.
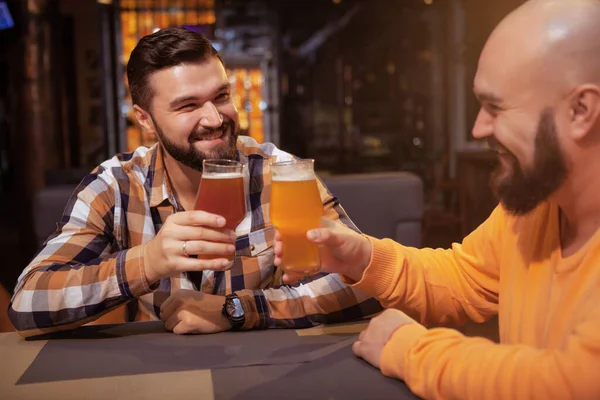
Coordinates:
x,y
210,117
484,125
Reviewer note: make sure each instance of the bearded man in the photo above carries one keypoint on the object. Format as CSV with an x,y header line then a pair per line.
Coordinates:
x,y
535,262
130,245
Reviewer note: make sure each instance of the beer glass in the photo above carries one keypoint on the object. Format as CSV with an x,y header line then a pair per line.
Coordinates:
x,y
221,192
295,209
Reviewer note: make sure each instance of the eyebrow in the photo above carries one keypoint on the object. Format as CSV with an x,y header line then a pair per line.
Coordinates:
x,y
487,97
184,99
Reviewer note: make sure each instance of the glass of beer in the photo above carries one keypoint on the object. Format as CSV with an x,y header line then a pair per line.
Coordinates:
x,y
221,192
296,208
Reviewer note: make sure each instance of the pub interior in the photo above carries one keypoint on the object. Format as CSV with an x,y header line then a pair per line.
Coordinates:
x,y
366,88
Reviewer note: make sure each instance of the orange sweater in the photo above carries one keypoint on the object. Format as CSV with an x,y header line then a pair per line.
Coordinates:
x,y
548,308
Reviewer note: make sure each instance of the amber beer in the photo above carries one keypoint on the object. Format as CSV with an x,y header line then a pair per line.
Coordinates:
x,y
296,208
221,192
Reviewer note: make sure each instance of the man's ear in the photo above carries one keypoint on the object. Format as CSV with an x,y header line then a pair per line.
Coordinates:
x,y
144,119
585,111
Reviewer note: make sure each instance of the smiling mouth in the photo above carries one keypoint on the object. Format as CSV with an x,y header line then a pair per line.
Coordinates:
x,y
210,136
504,157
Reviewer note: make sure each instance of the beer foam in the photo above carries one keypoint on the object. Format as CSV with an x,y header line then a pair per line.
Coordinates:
x,y
295,176
226,175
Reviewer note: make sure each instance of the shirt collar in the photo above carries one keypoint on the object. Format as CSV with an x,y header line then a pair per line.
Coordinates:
x,y
158,179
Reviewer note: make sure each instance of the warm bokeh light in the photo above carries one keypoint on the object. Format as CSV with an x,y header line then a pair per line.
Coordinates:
x,y
246,91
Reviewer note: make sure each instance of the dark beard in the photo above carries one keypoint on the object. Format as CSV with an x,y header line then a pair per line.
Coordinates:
x,y
190,156
520,192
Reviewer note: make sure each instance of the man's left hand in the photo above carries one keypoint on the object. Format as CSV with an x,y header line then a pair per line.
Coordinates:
x,y
190,311
372,340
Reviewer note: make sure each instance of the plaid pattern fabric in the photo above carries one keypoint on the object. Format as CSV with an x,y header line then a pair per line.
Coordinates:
x,y
91,268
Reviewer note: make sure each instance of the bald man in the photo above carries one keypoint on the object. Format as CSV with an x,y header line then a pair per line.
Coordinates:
x,y
535,262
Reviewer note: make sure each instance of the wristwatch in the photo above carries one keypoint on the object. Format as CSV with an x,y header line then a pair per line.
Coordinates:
x,y
234,311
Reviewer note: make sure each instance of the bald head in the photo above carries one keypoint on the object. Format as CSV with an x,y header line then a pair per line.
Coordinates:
x,y
557,39
540,53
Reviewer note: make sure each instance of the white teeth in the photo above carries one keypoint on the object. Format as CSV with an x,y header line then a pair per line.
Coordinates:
x,y
212,136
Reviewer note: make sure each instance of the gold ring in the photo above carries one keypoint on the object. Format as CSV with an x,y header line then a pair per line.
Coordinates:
x,y
184,249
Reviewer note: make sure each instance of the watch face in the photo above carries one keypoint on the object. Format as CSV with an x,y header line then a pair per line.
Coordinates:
x,y
234,308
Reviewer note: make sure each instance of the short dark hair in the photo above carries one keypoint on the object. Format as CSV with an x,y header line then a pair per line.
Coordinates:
x,y
163,49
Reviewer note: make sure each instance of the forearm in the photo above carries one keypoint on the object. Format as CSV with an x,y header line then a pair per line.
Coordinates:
x,y
324,300
53,295
434,286
476,368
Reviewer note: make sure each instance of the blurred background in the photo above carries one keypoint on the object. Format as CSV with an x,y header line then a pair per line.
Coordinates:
x,y
362,86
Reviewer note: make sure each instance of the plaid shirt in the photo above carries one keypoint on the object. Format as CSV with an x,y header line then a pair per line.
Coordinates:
x,y
91,268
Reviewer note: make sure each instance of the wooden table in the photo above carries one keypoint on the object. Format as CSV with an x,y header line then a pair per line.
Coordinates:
x,y
142,361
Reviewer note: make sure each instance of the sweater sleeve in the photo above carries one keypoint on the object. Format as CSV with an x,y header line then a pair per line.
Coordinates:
x,y
438,286
444,364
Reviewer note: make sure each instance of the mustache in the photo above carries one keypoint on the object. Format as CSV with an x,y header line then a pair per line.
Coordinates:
x,y
495,145
198,134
